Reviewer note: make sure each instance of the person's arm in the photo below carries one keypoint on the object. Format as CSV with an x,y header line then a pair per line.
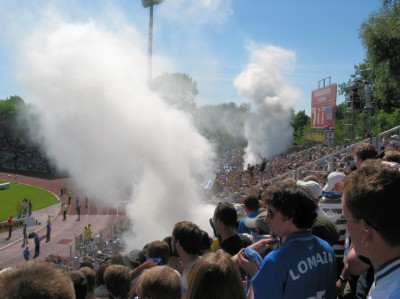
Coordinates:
x,y
248,266
261,246
138,270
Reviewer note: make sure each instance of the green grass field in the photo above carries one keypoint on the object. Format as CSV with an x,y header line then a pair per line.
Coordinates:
x,y
9,199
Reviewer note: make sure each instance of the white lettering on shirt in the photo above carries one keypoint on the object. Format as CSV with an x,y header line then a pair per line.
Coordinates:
x,y
309,263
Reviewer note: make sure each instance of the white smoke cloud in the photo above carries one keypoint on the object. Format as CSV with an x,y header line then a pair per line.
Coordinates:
x,y
268,129
99,121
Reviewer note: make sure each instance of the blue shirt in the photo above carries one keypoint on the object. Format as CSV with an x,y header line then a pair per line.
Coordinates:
x,y
303,267
26,254
387,281
242,228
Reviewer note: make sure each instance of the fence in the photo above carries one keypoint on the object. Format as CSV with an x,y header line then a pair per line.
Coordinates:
x,y
100,245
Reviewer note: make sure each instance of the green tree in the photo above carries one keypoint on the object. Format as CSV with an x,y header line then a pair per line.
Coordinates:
x,y
223,124
177,89
380,36
300,122
9,109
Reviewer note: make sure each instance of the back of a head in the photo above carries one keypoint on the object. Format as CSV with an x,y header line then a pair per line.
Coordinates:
x,y
293,201
80,284
118,259
371,193
365,151
160,282
226,213
392,156
39,280
189,236
117,280
215,276
251,203
159,249
90,275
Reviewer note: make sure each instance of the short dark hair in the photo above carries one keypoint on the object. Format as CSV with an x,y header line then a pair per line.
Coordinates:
x,y
80,284
159,249
251,203
226,213
90,275
294,202
189,236
365,151
371,193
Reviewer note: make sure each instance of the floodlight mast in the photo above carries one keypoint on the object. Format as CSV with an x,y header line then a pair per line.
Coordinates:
x,y
150,3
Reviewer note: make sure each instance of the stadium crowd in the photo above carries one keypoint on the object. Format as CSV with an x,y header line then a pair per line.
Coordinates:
x,y
330,236
17,155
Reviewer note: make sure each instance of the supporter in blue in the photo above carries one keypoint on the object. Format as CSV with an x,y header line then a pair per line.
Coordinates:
x,y
48,231
252,206
36,239
370,210
304,266
26,254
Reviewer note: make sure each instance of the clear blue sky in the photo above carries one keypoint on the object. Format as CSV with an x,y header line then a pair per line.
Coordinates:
x,y
209,39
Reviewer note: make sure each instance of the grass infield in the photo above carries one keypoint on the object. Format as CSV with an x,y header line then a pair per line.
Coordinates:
x,y
9,199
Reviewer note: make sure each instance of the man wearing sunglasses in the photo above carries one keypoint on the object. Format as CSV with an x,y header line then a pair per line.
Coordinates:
x,y
304,266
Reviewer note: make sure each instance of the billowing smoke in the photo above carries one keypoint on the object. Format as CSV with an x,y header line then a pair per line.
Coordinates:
x,y
268,129
99,121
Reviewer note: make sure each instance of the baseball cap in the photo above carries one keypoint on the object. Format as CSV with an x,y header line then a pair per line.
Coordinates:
x,y
258,222
312,186
332,179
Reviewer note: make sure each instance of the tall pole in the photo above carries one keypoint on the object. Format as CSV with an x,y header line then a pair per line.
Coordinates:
x,y
150,46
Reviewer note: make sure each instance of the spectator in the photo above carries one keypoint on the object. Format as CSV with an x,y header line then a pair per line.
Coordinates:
x,y
370,209
364,151
323,227
117,281
39,280
286,271
80,284
225,222
90,275
392,156
161,282
252,206
215,276
186,242
158,250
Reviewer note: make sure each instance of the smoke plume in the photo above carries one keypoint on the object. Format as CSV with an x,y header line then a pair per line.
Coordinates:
x,y
99,121
267,129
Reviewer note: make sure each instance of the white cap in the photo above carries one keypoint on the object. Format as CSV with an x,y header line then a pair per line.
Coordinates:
x,y
333,178
312,186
